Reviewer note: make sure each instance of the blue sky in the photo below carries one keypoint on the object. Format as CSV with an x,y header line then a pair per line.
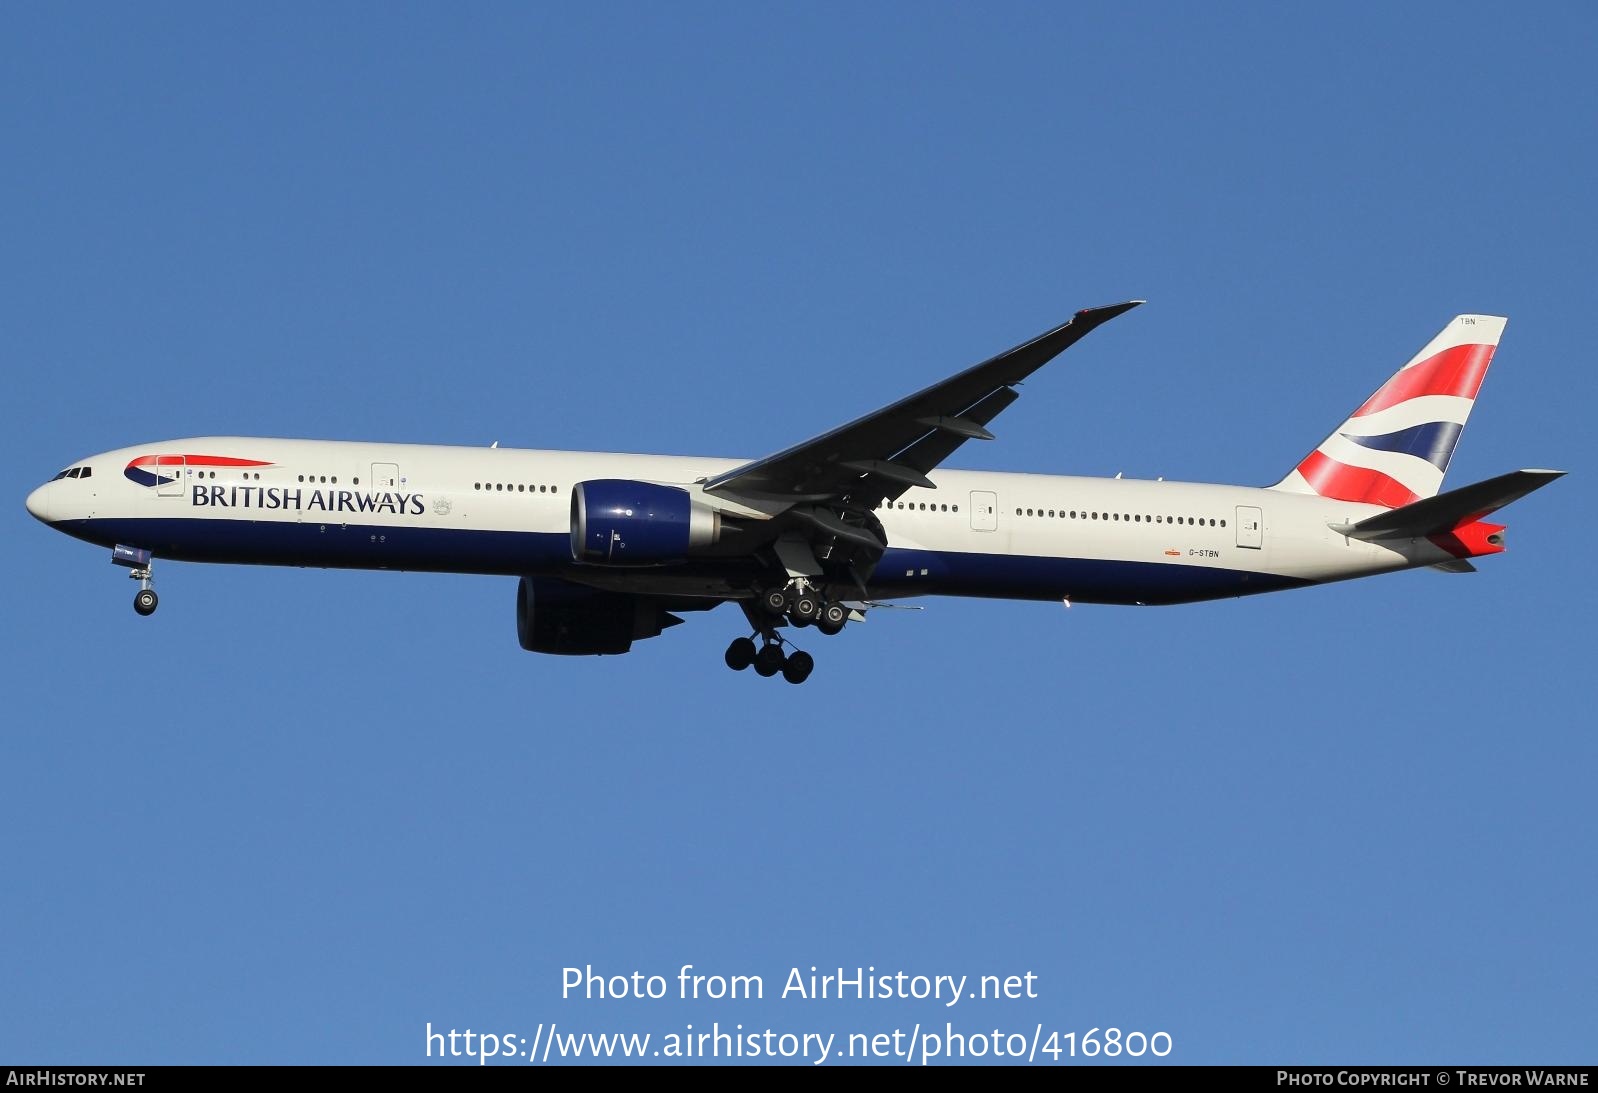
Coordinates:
x,y
295,816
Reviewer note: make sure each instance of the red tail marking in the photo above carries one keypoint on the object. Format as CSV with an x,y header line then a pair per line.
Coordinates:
x,y
1329,478
1457,371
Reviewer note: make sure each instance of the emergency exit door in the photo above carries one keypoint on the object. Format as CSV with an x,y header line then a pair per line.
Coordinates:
x,y
171,471
984,511
385,476
1250,527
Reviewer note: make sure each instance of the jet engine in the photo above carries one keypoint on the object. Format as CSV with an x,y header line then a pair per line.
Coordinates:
x,y
619,522
554,616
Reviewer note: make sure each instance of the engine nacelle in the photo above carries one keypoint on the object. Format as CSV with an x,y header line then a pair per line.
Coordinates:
x,y
553,616
624,523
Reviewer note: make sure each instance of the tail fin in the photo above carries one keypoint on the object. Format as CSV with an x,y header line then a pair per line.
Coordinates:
x,y
1394,449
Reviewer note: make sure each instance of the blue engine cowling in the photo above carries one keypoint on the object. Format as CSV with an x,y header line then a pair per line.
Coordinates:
x,y
624,523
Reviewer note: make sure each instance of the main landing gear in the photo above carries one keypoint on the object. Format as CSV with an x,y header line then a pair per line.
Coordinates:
x,y
769,659
799,604
804,606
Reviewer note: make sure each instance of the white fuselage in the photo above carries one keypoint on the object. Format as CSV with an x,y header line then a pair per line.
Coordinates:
x,y
502,510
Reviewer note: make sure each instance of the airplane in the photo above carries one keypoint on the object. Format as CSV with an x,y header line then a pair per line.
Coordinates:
x,y
613,548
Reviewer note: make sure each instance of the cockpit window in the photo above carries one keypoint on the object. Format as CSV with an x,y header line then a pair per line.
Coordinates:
x,y
61,474
73,472
86,472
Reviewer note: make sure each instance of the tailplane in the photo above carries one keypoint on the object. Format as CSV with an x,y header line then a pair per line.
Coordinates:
x,y
1453,520
1395,449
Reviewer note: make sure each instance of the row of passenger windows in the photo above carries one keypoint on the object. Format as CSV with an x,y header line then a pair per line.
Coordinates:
x,y
1130,518
74,472
320,479
920,506
514,487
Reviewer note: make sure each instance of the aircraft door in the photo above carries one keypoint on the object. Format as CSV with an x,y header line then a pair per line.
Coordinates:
x,y
171,475
984,511
1250,527
385,476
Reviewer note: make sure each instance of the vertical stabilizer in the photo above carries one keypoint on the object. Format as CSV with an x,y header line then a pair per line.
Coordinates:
x,y
1395,449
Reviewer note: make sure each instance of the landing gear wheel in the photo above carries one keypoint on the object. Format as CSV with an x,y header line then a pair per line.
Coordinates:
x,y
740,654
770,660
806,608
145,601
833,616
798,667
775,601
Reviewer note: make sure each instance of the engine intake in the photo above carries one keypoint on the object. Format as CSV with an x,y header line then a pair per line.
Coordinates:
x,y
619,522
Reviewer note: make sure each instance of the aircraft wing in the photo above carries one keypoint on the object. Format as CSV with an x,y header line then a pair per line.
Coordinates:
x,y
892,449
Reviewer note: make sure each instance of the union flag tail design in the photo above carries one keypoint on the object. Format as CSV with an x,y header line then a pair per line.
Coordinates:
x,y
1394,450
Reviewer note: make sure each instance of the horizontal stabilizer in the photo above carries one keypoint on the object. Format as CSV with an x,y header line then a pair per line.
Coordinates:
x,y
1447,511
1456,565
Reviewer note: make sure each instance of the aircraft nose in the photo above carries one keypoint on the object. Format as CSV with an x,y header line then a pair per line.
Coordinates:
x,y
39,503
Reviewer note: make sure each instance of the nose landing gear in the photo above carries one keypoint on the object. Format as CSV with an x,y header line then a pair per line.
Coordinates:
x,y
137,562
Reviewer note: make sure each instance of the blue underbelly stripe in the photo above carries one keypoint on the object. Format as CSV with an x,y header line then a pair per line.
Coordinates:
x,y
902,572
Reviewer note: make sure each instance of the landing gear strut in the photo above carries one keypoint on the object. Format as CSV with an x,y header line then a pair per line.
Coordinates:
x,y
137,562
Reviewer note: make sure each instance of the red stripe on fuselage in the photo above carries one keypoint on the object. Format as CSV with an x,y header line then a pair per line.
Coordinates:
x,y
1457,371
197,461
1329,478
